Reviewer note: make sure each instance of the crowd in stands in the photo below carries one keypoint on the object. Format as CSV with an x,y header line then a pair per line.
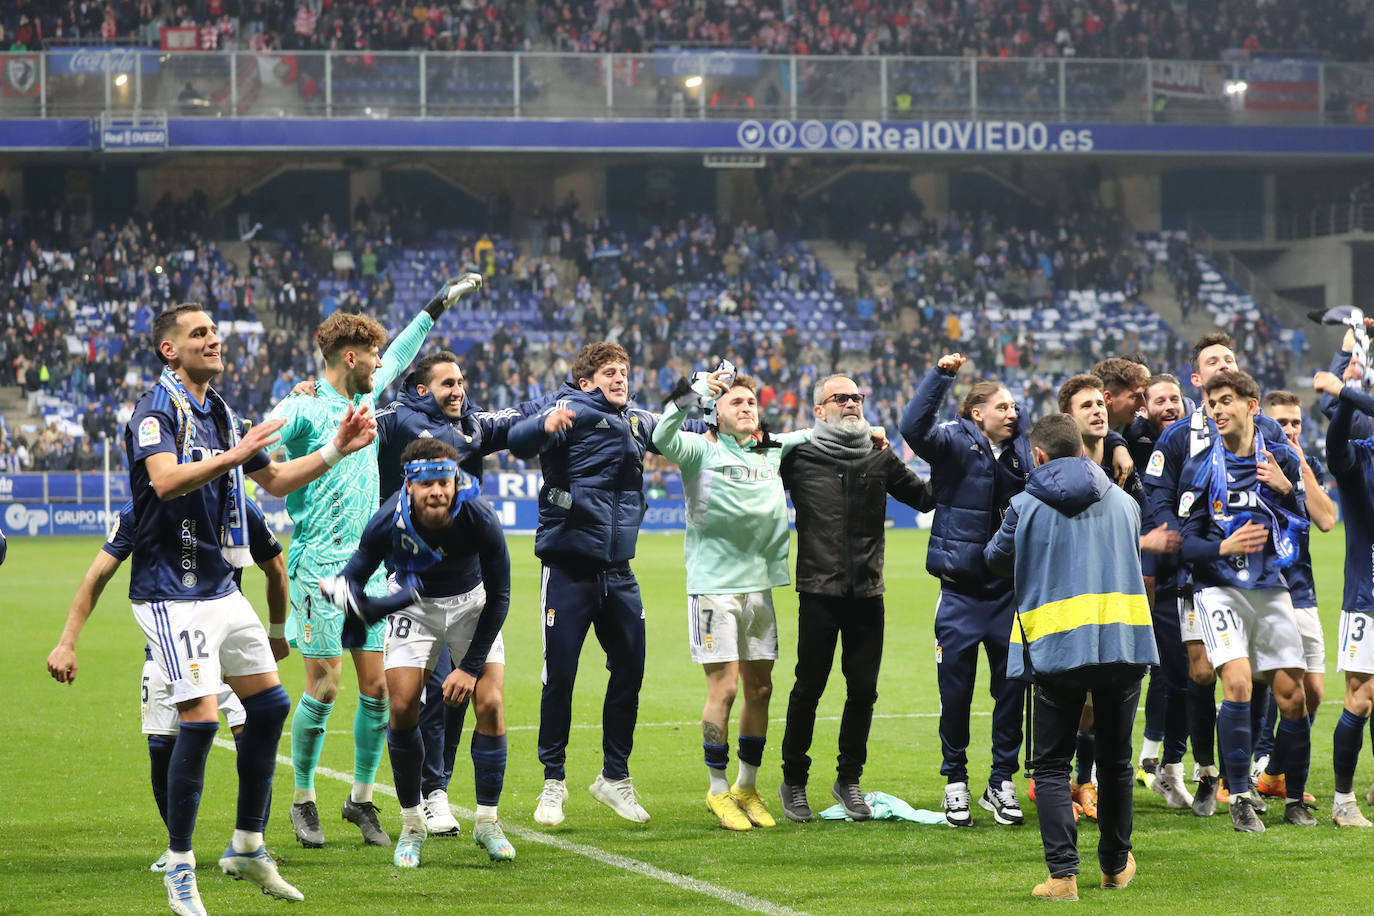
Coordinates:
x,y
987,28
1031,303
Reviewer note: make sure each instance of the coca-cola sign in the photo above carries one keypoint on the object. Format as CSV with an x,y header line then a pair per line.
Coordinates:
x,y
706,63
70,61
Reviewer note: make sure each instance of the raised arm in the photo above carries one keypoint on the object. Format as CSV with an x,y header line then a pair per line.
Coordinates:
x,y
919,426
545,430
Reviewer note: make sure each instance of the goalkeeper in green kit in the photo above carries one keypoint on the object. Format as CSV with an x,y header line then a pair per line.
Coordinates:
x,y
329,516
736,550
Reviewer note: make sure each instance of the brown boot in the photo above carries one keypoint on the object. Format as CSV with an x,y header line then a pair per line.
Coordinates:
x,y
1065,888
1121,878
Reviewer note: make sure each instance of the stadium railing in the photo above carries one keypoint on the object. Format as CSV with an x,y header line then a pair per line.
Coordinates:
x,y
679,84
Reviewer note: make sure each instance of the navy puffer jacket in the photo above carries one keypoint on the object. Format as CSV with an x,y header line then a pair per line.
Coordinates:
x,y
592,500
972,487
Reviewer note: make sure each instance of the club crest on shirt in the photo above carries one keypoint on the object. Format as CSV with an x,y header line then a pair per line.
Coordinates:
x,y
195,673
1156,466
149,431
189,580
634,424
548,618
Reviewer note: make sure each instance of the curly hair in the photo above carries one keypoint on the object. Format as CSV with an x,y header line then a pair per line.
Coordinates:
x,y
343,330
1118,374
1073,386
595,355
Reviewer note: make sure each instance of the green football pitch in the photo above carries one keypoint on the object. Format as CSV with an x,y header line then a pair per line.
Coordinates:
x,y
78,827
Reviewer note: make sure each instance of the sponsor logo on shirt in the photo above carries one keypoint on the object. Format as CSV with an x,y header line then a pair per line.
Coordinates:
x,y
1156,466
149,432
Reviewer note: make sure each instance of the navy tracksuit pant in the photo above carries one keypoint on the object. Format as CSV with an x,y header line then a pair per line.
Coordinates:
x,y
441,726
1173,672
607,602
963,622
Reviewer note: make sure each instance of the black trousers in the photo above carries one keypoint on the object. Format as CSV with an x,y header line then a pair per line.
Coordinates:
x,y
1059,702
858,625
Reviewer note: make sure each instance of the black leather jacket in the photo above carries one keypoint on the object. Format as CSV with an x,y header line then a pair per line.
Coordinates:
x,y
841,514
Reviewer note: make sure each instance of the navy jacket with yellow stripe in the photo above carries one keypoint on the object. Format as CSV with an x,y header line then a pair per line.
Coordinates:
x,y
1071,543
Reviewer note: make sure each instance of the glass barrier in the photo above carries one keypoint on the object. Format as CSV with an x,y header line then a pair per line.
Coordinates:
x,y
567,85
693,84
929,89
839,87
369,85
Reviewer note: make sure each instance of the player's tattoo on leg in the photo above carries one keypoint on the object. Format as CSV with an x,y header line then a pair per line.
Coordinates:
x,y
712,733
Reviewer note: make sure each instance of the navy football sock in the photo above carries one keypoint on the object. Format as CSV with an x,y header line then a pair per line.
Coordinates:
x,y
186,780
257,746
1202,722
1297,760
1233,734
1345,749
407,760
488,767
160,758
1156,701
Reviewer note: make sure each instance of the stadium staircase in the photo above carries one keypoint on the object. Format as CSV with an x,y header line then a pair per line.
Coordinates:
x,y
13,407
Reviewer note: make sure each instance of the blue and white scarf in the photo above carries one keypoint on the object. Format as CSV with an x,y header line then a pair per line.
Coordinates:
x,y
233,536
1285,528
410,553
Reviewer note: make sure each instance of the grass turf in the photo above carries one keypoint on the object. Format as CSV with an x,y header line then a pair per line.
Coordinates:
x,y
79,826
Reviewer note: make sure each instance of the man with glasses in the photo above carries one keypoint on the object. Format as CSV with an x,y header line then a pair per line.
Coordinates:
x,y
839,487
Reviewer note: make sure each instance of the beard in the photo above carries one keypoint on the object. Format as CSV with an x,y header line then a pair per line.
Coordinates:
x,y
852,425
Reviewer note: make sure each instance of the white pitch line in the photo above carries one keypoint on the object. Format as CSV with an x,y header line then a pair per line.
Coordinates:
x,y
597,725
615,860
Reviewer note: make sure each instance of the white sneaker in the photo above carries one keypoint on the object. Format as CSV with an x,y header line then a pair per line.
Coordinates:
x,y
1169,784
1257,767
619,796
160,865
182,894
257,866
549,812
439,819
956,805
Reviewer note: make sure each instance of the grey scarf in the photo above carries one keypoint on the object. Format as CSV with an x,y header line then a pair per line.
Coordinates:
x,y
836,443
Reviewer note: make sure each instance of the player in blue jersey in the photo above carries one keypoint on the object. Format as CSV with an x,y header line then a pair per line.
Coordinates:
x,y
1285,409
433,403
187,461
1163,489
1166,712
450,567
1351,462
159,713
1242,512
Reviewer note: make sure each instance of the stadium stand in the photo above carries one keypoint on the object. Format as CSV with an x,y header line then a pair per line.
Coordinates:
x,y
1032,303
998,29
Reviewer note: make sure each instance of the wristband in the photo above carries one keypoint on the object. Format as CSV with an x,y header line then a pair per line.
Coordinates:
x,y
276,630
330,454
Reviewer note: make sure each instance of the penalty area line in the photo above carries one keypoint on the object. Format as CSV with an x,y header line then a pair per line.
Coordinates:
x,y
615,860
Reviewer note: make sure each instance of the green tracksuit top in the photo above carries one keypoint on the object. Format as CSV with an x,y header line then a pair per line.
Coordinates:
x,y
737,535
330,513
